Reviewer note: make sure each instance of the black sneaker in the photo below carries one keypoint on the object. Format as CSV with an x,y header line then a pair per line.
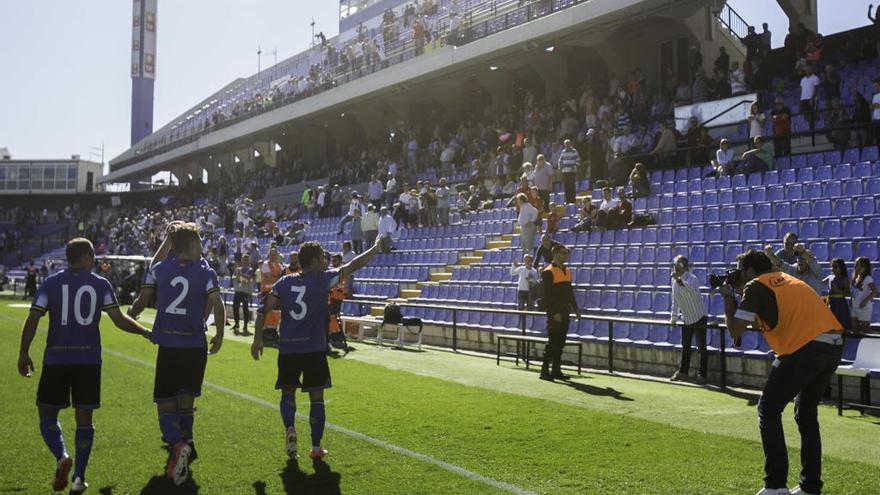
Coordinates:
x,y
546,377
194,455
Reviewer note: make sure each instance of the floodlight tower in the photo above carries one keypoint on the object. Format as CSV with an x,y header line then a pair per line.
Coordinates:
x,y
143,67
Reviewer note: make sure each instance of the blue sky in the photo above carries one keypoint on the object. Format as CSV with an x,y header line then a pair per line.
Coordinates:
x,y
64,65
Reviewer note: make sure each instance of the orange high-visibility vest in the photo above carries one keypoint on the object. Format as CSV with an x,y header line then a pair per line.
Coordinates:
x,y
803,315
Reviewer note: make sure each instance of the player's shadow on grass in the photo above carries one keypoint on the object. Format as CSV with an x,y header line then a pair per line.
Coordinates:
x,y
295,481
160,485
605,392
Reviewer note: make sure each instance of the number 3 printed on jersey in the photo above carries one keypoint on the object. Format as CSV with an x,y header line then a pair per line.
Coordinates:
x,y
300,291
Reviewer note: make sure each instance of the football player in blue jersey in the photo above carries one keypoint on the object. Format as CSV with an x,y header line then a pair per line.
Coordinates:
x,y
74,299
302,341
185,289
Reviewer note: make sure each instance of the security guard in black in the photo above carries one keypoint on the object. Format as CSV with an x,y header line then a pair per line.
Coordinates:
x,y
558,302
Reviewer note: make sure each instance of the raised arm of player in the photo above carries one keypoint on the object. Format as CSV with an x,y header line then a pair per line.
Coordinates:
x,y
215,301
269,304
25,365
127,323
140,303
359,261
165,247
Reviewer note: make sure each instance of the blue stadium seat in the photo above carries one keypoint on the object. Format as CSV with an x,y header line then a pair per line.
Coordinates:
x,y
731,250
739,181
664,235
661,303
833,189
725,197
794,191
649,235
782,210
723,182
842,249
664,254
695,198
750,231
745,212
851,155
841,207
642,302
809,229
715,253
853,227
728,213
805,175
771,177
832,157
873,186
862,169
798,161
815,159
625,301
869,153
763,211
667,201
801,209
842,171
609,299
680,235
713,233
864,206
710,198
597,276
787,176
831,228
867,249
821,208
589,255
852,187
708,214
755,180
813,190
769,230
758,194
823,173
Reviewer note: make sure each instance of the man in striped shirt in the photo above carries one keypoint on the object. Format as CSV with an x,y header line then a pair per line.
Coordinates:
x,y
687,302
569,161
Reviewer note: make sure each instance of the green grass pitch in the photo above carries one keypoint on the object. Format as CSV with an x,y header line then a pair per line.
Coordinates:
x,y
418,423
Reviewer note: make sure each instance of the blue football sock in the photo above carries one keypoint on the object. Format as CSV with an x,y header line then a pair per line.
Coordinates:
x,y
50,428
288,409
84,437
169,423
186,424
316,420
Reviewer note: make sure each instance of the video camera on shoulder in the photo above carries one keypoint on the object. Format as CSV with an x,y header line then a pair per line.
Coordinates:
x,y
731,278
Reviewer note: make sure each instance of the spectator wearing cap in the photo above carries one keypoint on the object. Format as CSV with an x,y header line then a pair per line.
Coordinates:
x,y
688,304
543,180
781,118
528,216
569,160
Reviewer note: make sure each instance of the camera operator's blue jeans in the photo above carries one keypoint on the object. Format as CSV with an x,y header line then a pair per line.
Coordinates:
x,y
802,376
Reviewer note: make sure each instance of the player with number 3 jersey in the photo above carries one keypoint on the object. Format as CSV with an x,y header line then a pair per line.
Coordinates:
x,y
185,288
302,337
74,299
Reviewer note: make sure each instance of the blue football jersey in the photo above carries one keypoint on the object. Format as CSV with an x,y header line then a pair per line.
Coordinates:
x,y
74,300
303,301
182,290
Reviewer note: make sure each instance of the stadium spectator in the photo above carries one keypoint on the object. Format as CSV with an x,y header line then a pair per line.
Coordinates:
x,y
862,118
806,339
781,118
875,112
568,163
544,180
809,83
757,159
625,210
609,210
790,248
375,191
527,280
664,151
756,120
559,301
30,281
837,122
370,225
806,268
722,62
443,195
864,290
552,218
723,164
387,227
737,79
544,252
689,305
597,153
356,233
528,216
243,284
587,217
838,290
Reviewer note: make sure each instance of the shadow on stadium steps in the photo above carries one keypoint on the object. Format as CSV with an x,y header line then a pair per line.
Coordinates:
x,y
295,480
605,392
162,485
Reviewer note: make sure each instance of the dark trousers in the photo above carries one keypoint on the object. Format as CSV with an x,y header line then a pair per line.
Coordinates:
x,y
242,300
545,198
556,333
802,376
697,330
568,184
782,146
357,245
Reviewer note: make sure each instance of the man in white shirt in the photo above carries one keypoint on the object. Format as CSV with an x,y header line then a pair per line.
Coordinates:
x,y
390,189
442,194
528,215
544,180
387,227
607,209
370,225
530,152
528,278
687,302
809,83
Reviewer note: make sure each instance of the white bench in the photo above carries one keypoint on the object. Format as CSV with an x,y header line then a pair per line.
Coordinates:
x,y
377,323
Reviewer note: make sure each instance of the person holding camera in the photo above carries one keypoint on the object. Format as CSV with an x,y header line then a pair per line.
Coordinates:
x,y
805,267
687,302
808,343
558,301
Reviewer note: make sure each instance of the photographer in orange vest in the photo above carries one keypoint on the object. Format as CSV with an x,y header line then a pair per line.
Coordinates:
x,y
808,343
270,272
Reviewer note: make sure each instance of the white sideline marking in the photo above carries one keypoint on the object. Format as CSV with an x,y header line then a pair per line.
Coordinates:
x,y
19,305
452,468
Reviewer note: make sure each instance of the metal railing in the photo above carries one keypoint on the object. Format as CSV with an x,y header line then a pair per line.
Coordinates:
x,y
734,22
